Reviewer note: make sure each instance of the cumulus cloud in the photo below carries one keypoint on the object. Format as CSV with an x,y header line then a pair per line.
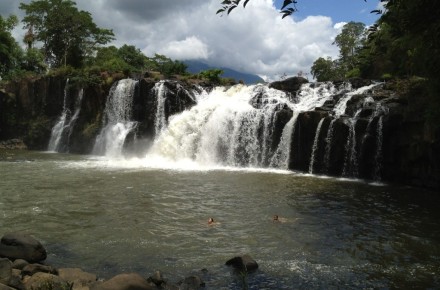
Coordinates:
x,y
254,40
189,48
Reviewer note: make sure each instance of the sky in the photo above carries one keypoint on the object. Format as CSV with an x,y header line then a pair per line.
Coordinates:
x,y
253,40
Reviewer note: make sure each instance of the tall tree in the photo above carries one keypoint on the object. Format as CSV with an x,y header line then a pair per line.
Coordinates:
x,y
349,41
10,52
68,35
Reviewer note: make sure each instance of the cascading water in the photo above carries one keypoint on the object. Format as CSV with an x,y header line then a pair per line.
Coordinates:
x,y
223,129
160,91
315,146
117,119
328,146
58,129
61,132
243,126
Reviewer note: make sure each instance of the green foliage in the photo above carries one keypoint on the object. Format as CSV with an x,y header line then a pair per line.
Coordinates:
x,y
166,66
67,34
350,42
325,70
212,75
10,52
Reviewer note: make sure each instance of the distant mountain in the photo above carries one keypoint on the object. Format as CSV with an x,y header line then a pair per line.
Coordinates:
x,y
195,67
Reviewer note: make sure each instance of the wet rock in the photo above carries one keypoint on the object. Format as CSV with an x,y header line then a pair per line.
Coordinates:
x,y
22,246
243,263
5,271
125,282
77,277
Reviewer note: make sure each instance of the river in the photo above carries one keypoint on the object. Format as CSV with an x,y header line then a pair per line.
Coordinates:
x,y
109,216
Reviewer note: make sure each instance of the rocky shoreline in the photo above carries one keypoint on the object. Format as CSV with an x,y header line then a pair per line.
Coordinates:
x,y
13,144
22,267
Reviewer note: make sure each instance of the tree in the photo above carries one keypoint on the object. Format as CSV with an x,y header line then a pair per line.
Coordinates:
x,y
68,35
326,70
212,75
349,41
10,52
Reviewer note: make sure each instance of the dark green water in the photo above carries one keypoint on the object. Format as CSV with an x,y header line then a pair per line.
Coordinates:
x,y
109,217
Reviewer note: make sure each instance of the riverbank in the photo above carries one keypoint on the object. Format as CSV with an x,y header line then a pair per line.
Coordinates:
x,y
22,267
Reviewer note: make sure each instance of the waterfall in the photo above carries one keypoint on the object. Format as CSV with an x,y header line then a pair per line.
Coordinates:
x,y
160,91
328,146
222,129
58,129
351,161
315,146
117,119
341,106
282,155
61,132
241,126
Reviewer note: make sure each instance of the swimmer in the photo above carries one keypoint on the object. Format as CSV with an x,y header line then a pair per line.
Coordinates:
x,y
210,221
276,218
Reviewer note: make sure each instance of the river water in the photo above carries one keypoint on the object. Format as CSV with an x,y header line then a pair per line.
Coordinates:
x,y
111,216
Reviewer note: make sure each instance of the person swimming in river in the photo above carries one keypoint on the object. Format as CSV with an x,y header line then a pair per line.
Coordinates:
x,y
277,219
210,221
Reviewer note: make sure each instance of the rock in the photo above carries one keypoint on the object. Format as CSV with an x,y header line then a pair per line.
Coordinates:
x,y
16,281
31,269
46,281
131,281
157,279
19,264
5,287
291,85
191,283
79,278
22,246
243,263
5,271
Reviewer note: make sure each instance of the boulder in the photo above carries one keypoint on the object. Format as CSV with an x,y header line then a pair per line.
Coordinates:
x,y
5,271
291,85
46,281
131,281
16,281
243,263
79,278
22,246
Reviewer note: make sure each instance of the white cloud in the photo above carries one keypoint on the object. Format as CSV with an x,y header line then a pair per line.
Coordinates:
x,y
189,48
254,40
